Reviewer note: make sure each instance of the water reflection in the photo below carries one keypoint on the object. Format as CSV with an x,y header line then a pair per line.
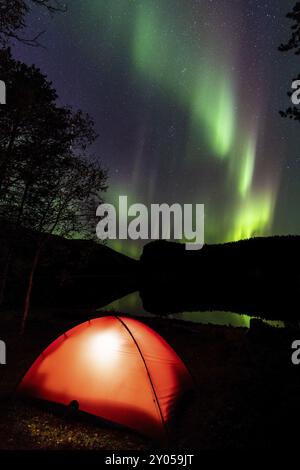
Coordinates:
x,y
132,304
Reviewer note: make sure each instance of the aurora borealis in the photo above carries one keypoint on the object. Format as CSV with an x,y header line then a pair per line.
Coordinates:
x,y
185,96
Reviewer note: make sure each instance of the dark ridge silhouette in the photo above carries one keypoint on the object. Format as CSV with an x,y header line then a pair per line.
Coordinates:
x,y
72,273
259,276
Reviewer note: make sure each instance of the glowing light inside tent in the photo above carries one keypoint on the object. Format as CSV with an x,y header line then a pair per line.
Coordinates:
x,y
104,347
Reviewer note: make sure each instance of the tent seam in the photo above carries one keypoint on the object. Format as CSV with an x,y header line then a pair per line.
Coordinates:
x,y
147,370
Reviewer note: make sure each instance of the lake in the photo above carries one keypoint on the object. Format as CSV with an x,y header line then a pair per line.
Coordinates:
x,y
132,304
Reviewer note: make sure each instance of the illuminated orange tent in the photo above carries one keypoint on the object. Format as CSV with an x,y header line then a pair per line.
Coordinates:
x,y
114,367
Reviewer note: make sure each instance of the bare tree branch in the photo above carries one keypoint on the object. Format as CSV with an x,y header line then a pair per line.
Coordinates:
x,y
13,14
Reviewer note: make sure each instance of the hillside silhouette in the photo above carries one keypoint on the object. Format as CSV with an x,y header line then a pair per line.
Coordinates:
x,y
72,273
259,276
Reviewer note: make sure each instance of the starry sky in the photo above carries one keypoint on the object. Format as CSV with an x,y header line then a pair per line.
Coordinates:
x,y
186,97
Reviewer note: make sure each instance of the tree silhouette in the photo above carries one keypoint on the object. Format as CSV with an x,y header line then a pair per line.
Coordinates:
x,y
13,15
293,45
48,182
63,201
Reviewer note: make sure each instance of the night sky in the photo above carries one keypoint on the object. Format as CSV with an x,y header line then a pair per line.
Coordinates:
x,y
185,95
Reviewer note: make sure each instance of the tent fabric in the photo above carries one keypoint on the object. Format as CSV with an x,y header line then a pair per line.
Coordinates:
x,y
116,368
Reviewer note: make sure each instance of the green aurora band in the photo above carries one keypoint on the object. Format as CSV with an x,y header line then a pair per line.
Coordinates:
x,y
198,76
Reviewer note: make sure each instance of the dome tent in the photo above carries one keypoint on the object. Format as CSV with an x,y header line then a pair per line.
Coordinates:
x,y
114,367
